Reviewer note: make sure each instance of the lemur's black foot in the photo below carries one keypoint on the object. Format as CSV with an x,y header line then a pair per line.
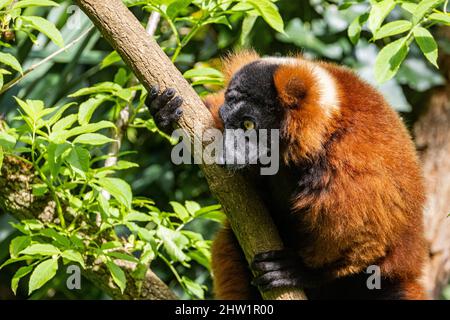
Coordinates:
x,y
164,107
282,268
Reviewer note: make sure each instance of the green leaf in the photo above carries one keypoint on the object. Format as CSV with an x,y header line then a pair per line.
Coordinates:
x,y
204,210
94,139
38,106
389,60
194,288
103,205
54,151
201,258
74,256
118,188
64,123
20,227
118,275
203,72
77,241
138,216
42,274
174,243
88,108
58,114
145,234
146,257
121,77
88,128
29,111
244,6
379,12
124,165
14,260
217,216
219,20
104,87
247,26
443,18
7,141
393,28
22,272
125,94
39,189
110,59
269,12
427,44
346,4
176,7
192,207
79,159
59,238
42,249
4,3
34,3
18,244
408,6
212,81
423,7
33,224
11,61
181,211
122,256
111,245
354,30
46,27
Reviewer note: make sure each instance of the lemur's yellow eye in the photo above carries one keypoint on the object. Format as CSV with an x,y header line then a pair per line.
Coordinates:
x,y
249,125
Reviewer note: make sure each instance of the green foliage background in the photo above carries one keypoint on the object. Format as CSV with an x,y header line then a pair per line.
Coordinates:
x,y
163,212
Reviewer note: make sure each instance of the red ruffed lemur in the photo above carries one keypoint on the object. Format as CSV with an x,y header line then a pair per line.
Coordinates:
x,y
348,193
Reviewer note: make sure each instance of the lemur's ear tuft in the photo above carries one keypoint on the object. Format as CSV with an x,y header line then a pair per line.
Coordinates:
x,y
295,83
236,60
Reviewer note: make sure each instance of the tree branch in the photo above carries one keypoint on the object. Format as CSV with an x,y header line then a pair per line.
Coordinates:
x,y
124,115
249,218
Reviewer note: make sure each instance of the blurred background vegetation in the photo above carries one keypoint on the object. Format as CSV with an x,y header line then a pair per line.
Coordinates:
x,y
316,29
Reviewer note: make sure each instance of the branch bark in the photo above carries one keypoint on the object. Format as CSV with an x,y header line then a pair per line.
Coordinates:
x,y
432,132
124,116
249,218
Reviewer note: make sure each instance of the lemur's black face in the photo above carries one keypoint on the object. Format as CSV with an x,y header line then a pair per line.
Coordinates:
x,y
251,104
251,99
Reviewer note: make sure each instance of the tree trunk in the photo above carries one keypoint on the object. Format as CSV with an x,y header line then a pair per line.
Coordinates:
x,y
432,132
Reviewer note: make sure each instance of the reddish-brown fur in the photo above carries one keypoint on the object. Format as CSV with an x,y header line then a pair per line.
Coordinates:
x,y
231,274
371,209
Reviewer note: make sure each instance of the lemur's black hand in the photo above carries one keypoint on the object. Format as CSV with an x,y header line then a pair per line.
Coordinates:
x,y
164,107
282,268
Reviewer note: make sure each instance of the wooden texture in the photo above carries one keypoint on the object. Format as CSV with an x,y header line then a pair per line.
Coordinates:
x,y
432,132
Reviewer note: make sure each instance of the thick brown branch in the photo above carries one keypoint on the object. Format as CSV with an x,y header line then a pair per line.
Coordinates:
x,y
249,218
